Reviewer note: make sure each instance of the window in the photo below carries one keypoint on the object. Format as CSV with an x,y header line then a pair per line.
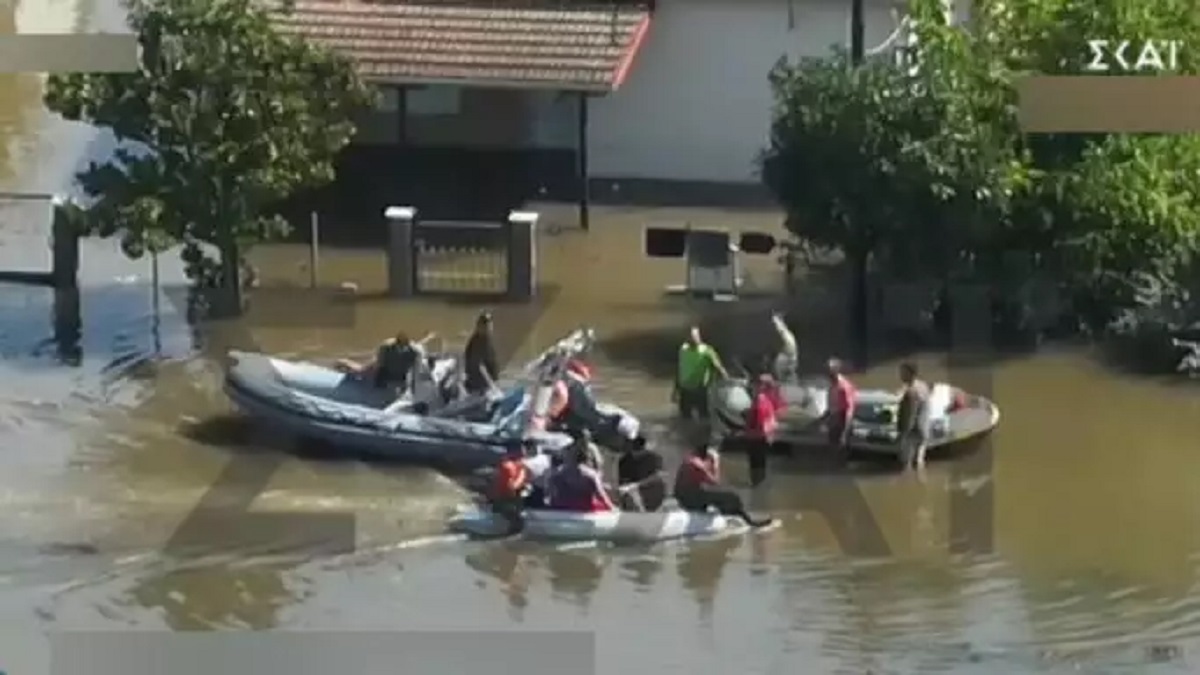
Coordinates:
x,y
433,101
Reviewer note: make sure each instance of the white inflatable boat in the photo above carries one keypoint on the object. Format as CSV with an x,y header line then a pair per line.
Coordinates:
x,y
614,526
954,415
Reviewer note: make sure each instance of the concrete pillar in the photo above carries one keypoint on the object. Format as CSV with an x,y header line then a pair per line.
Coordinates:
x,y
64,243
522,255
401,262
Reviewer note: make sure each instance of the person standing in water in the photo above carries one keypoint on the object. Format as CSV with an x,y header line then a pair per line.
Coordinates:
x,y
762,423
699,364
912,418
480,366
843,398
787,360
698,487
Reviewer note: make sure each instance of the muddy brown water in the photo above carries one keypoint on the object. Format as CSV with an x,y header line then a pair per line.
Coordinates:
x,y
1070,544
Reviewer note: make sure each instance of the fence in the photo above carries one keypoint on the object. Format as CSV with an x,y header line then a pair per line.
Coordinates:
x,y
495,258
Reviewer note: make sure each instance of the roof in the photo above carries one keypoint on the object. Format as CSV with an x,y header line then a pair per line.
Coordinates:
x,y
567,45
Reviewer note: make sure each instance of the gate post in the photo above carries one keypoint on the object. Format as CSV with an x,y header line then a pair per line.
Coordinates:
x,y
522,255
64,244
400,259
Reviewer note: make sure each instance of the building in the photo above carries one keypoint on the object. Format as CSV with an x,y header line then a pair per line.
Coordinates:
x,y
490,103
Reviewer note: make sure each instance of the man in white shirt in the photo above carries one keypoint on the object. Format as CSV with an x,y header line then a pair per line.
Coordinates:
x,y
787,360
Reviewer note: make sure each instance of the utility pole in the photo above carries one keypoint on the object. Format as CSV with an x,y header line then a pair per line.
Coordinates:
x,y
859,304
858,47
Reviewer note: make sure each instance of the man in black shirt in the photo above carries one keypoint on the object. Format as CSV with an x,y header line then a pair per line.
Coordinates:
x,y
479,358
393,365
640,479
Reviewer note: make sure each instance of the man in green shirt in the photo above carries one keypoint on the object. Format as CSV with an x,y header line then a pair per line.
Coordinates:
x,y
698,365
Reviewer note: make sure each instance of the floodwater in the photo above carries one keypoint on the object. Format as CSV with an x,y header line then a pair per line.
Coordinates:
x,y
1070,543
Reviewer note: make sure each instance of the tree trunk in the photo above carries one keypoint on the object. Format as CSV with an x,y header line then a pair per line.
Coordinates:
x,y
228,303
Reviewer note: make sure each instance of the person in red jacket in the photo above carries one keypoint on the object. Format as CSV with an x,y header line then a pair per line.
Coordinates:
x,y
698,488
843,398
762,424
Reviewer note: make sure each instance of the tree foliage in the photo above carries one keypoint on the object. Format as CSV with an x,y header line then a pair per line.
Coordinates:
x,y
924,163
224,117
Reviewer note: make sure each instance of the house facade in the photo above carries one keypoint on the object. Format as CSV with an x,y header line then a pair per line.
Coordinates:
x,y
494,101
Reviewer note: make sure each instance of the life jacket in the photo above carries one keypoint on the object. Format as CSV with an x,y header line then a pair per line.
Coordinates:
x,y
579,371
693,473
763,417
511,479
556,407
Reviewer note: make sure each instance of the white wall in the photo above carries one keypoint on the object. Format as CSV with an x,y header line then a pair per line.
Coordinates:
x,y
696,105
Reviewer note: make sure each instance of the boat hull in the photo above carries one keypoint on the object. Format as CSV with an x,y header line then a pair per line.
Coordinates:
x,y
631,527
873,434
256,387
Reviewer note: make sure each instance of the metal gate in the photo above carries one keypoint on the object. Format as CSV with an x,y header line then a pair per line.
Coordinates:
x,y
460,257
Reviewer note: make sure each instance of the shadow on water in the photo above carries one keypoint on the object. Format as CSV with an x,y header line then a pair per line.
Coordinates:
x,y
217,597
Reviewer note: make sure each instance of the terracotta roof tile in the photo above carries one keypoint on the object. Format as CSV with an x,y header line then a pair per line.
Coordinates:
x,y
568,46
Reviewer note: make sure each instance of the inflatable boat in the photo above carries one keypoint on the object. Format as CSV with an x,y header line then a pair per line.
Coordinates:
x,y
614,526
955,416
434,423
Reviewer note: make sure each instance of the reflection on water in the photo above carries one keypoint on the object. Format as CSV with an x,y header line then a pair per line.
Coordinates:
x,y
221,598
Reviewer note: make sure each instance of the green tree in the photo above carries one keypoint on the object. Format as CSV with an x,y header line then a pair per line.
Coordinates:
x,y
916,163
927,165
224,117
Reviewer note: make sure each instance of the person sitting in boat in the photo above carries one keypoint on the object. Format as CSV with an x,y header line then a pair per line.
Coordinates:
x,y
540,466
395,361
556,409
641,483
511,484
575,486
698,488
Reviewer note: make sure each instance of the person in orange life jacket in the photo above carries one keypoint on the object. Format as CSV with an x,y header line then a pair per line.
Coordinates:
x,y
570,409
510,486
698,488
558,405
575,486
761,425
